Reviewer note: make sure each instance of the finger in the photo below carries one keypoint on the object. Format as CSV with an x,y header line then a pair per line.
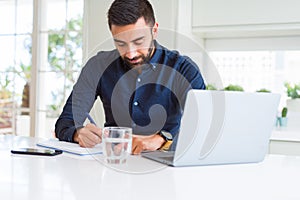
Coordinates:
x,y
91,127
137,146
133,145
92,138
80,137
96,130
87,139
137,150
83,142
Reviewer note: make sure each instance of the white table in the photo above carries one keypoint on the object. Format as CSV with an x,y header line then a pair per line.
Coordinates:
x,y
64,177
285,141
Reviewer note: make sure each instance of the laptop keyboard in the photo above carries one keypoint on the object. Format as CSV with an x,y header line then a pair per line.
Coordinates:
x,y
162,155
168,158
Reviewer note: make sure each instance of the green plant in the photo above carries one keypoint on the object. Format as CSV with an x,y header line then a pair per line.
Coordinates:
x,y
5,92
63,51
263,90
293,90
5,101
233,88
210,87
24,72
284,112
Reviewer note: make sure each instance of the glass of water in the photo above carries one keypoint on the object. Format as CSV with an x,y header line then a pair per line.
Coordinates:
x,y
117,143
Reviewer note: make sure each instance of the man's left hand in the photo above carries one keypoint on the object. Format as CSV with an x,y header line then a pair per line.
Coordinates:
x,y
146,143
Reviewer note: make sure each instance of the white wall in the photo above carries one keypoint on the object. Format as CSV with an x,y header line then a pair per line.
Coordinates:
x,y
96,32
245,12
216,18
243,24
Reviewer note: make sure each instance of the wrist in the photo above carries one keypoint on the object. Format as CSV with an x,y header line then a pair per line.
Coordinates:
x,y
159,139
75,137
167,138
76,134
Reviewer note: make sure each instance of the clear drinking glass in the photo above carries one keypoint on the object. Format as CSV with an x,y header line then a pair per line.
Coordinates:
x,y
117,143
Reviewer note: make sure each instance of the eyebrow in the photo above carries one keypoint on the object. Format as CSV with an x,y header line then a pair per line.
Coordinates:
x,y
116,40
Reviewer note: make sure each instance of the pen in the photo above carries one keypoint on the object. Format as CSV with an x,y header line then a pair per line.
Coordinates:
x,y
90,118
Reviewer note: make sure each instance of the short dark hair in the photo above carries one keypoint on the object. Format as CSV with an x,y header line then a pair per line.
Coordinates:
x,y
125,12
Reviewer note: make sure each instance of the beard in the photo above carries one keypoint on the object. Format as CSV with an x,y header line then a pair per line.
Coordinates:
x,y
144,59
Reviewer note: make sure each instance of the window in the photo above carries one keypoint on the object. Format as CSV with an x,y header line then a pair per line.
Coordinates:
x,y
61,35
257,63
59,61
15,57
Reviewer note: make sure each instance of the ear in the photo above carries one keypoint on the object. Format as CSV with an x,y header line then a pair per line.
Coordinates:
x,y
155,30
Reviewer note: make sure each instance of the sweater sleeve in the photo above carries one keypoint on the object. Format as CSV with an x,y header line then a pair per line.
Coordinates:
x,y
65,126
83,95
79,102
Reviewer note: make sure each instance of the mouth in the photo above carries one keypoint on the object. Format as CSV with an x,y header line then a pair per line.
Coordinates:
x,y
134,61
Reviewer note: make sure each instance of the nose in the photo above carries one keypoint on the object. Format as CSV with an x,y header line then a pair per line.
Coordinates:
x,y
131,52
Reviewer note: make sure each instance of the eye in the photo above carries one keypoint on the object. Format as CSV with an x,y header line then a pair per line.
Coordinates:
x,y
139,42
120,44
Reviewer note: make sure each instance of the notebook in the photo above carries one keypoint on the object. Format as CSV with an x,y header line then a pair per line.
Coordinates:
x,y
222,127
69,147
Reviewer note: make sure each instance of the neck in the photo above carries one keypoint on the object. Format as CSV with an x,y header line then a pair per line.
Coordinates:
x,y
152,48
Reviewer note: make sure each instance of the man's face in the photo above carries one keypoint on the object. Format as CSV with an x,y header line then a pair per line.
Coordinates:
x,y
135,41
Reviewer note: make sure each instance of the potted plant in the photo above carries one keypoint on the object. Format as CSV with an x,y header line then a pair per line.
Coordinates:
x,y
6,103
210,87
293,91
282,120
5,93
24,72
264,90
233,88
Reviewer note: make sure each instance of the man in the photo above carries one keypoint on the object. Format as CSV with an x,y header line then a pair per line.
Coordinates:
x,y
141,84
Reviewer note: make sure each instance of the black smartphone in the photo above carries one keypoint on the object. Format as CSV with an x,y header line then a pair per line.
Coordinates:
x,y
38,152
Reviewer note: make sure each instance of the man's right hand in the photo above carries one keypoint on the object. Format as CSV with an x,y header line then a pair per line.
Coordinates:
x,y
88,136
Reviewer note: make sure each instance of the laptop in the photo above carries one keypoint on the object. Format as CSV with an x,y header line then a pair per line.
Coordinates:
x,y
222,127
